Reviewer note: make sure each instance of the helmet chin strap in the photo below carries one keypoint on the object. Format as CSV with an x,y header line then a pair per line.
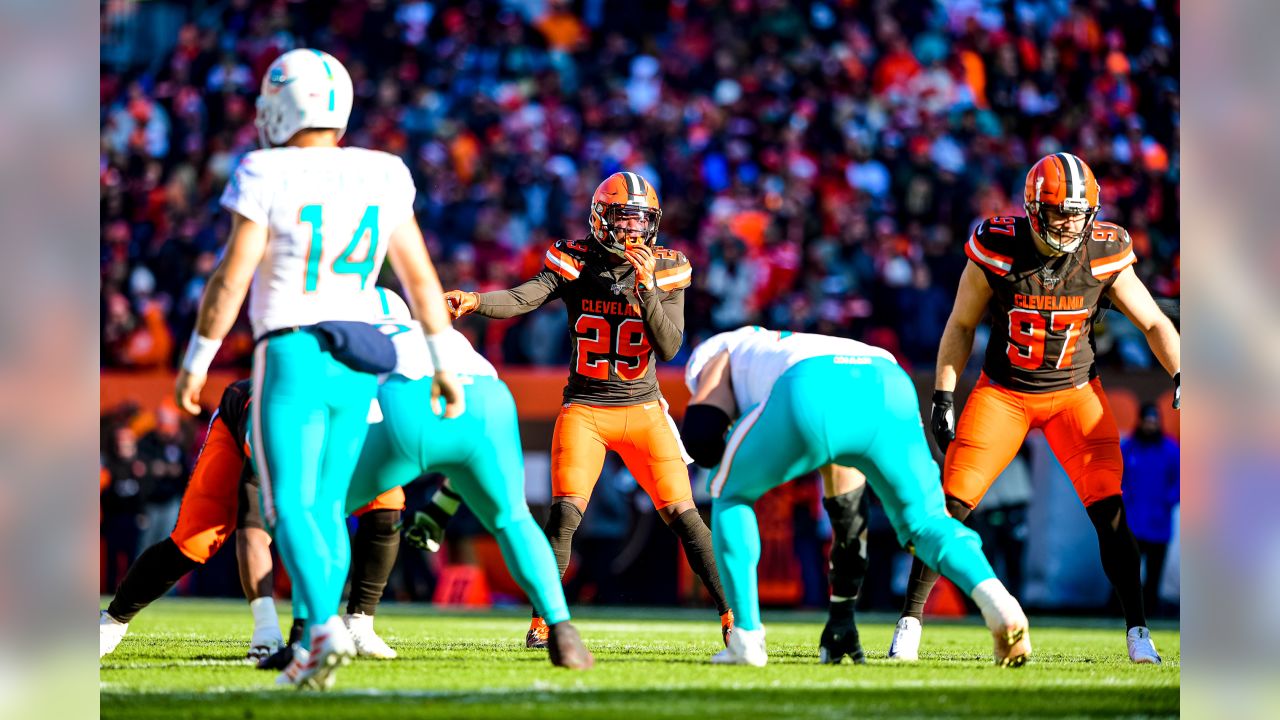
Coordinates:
x,y
1044,247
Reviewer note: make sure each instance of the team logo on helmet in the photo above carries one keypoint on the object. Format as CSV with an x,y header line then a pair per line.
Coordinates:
x,y
625,211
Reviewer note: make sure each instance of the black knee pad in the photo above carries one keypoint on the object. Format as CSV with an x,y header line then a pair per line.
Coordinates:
x,y
848,514
848,562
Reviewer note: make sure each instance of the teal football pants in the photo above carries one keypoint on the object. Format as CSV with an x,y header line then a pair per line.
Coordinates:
x,y
309,420
856,412
481,455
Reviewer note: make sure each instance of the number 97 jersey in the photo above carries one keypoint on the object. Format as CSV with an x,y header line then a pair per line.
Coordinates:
x,y
329,214
1042,309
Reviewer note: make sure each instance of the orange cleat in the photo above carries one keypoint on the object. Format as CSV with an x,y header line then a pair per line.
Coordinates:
x,y
726,626
537,635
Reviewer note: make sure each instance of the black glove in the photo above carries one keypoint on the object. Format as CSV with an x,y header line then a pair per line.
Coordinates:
x,y
943,422
1177,390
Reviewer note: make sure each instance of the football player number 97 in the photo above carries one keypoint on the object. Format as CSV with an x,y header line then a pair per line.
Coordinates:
x,y
595,338
1027,336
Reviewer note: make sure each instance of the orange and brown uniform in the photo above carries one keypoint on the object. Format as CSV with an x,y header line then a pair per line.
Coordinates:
x,y
1039,370
222,494
611,399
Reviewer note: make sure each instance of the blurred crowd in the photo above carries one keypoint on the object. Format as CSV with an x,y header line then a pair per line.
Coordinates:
x,y
821,162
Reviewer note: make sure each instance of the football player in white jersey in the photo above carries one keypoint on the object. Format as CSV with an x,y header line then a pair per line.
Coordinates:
x,y
311,225
803,401
479,450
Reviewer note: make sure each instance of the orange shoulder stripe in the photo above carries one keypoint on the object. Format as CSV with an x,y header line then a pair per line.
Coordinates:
x,y
995,262
675,278
563,264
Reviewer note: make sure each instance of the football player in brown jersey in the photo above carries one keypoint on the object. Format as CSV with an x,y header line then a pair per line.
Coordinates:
x,y
221,498
1041,278
625,297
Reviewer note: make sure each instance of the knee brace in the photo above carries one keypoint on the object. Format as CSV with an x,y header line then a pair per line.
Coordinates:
x,y
848,563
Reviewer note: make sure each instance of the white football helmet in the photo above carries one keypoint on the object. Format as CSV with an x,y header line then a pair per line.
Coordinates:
x,y
303,89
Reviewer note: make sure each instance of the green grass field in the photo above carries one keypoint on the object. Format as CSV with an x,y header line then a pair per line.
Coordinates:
x,y
180,659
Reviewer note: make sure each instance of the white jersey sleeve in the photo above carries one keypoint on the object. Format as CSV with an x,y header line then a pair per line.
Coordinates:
x,y
249,192
759,359
329,213
391,315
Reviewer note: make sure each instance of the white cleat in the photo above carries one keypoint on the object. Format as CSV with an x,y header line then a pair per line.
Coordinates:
x,y
368,644
110,633
905,646
331,648
1012,641
263,644
293,671
1006,621
1141,648
746,647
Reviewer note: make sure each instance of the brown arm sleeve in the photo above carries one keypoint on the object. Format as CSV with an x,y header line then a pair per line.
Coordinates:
x,y
529,295
663,314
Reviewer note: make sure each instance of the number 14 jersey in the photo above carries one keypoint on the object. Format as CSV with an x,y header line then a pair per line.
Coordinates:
x,y
329,213
1042,309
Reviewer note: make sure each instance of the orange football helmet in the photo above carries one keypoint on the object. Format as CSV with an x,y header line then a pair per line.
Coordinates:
x,y
1064,183
624,211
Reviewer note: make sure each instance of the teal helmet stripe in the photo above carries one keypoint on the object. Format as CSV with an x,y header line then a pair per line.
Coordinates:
x,y
328,71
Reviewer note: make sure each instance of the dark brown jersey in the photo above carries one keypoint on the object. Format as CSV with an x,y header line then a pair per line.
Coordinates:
x,y
1042,309
615,330
233,408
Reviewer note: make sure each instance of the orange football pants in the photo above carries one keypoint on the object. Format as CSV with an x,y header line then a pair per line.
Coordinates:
x,y
643,435
210,505
1077,422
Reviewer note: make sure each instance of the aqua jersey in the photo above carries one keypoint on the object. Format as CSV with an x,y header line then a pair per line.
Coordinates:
x,y
760,358
852,410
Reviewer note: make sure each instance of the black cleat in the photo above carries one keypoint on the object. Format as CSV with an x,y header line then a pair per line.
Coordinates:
x,y
838,640
566,649
278,660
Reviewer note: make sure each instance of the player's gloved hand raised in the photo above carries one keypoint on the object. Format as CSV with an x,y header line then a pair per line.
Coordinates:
x,y
642,259
424,532
943,422
461,303
1177,390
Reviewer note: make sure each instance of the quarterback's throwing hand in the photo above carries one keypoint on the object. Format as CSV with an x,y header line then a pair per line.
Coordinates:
x,y
187,392
943,422
445,386
460,303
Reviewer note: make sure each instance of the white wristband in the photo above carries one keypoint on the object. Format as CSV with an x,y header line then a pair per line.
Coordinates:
x,y
200,352
435,348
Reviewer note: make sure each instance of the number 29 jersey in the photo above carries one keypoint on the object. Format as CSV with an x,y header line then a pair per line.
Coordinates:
x,y
610,325
1042,309
329,214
